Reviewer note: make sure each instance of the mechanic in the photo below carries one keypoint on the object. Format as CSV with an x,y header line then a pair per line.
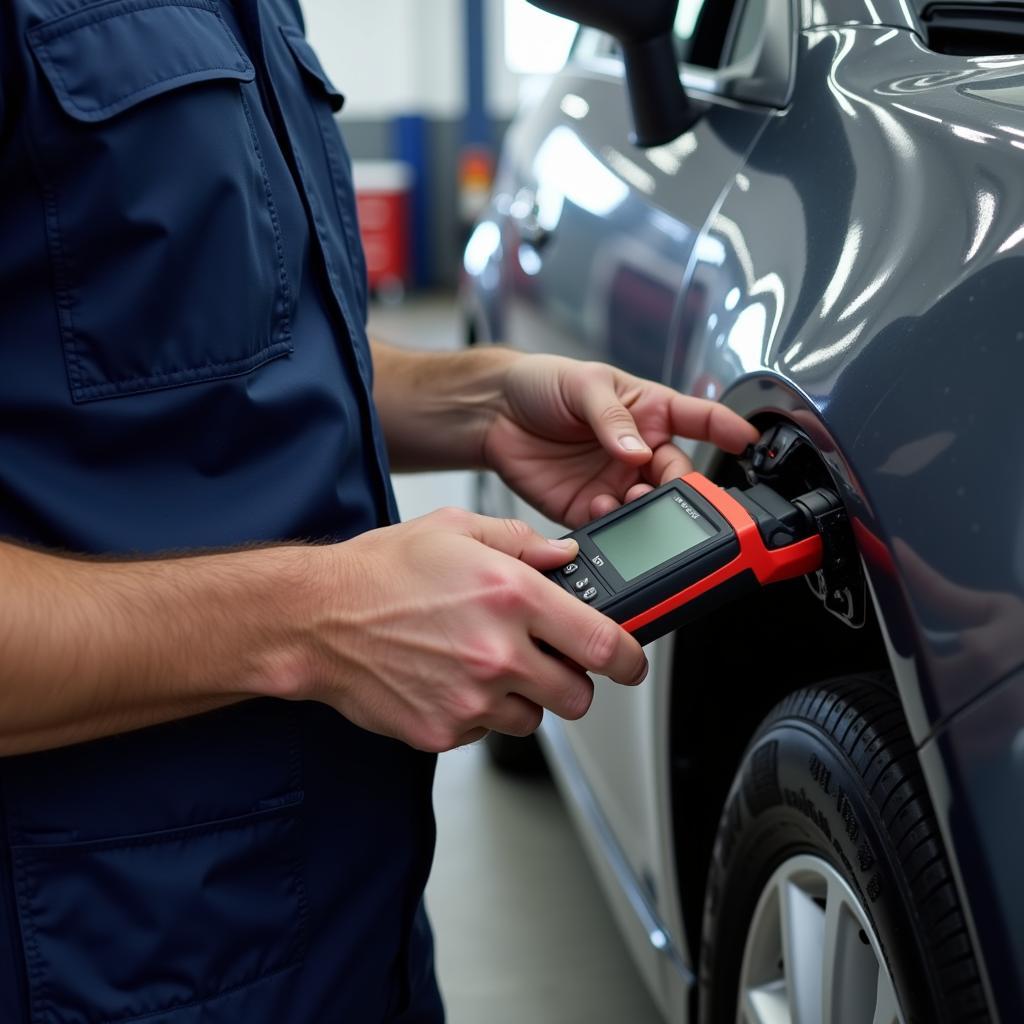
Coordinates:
x,y
225,669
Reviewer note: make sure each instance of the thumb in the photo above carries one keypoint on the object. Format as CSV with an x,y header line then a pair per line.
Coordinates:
x,y
514,537
612,424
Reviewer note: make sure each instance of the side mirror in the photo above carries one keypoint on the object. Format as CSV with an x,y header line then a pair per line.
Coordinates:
x,y
661,109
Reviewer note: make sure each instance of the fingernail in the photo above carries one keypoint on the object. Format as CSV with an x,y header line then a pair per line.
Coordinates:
x,y
630,443
643,674
565,544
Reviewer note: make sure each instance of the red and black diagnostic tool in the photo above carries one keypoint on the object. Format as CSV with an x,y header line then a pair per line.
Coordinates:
x,y
690,546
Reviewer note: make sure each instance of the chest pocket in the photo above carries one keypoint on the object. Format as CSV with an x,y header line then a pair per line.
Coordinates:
x,y
168,260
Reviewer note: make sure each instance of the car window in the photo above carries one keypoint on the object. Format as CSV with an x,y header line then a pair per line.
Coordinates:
x,y
686,26
747,30
699,33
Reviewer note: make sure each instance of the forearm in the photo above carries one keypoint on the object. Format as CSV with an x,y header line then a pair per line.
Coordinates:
x,y
435,407
90,648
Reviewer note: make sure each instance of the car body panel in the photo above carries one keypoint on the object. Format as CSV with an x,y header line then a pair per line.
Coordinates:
x,y
848,264
900,325
982,752
608,272
889,13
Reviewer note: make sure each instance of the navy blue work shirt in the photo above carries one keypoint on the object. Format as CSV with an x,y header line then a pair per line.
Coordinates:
x,y
185,366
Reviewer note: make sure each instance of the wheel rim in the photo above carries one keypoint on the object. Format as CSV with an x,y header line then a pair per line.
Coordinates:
x,y
812,955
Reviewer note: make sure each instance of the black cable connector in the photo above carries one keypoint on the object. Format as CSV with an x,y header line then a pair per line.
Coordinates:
x,y
839,582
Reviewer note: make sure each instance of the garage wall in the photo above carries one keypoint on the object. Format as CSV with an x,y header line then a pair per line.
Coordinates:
x,y
391,57
407,58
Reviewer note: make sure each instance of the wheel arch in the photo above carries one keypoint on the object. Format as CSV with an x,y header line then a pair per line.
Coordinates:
x,y
726,676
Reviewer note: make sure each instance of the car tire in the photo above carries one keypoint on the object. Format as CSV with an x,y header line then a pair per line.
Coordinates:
x,y
828,859
516,755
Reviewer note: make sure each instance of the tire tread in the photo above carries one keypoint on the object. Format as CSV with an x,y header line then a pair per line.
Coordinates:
x,y
877,744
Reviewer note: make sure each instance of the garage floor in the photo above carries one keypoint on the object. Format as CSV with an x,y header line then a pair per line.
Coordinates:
x,y
523,933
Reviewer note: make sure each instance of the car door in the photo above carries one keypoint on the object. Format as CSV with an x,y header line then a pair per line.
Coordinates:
x,y
597,242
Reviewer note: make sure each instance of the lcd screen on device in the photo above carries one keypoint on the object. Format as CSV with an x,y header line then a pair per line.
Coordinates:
x,y
654,533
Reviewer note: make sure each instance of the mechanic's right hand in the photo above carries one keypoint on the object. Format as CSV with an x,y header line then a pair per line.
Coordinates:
x,y
428,632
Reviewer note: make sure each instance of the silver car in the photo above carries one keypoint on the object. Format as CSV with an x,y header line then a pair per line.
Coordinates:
x,y
811,812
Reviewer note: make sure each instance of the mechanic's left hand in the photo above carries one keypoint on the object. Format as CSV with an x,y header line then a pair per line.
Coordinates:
x,y
576,439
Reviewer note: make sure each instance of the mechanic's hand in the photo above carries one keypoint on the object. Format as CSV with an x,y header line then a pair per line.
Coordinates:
x,y
428,632
576,439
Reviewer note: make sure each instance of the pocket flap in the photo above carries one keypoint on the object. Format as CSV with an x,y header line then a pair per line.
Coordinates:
x,y
110,56
310,63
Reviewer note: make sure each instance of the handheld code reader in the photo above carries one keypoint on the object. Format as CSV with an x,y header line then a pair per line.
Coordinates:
x,y
690,546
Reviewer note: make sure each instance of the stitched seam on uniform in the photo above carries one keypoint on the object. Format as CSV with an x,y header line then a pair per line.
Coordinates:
x,y
232,40
18,959
342,298
332,273
109,107
332,169
62,288
284,303
178,378
42,851
184,371
60,851
302,902
40,996
40,39
57,258
33,958
47,31
326,123
295,768
311,65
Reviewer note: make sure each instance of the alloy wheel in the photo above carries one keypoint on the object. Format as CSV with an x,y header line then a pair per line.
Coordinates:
x,y
812,955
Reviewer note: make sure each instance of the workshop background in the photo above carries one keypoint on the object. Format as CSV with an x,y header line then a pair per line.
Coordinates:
x,y
523,934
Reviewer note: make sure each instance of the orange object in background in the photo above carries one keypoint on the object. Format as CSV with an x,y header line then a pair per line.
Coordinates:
x,y
476,175
383,189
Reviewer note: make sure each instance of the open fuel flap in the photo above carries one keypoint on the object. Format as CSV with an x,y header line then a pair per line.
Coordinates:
x,y
786,460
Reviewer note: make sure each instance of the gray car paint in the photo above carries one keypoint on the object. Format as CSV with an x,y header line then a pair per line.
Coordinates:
x,y
850,261
876,275
982,752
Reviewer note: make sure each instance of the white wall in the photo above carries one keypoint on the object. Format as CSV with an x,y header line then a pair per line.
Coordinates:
x,y
502,83
394,57
391,56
